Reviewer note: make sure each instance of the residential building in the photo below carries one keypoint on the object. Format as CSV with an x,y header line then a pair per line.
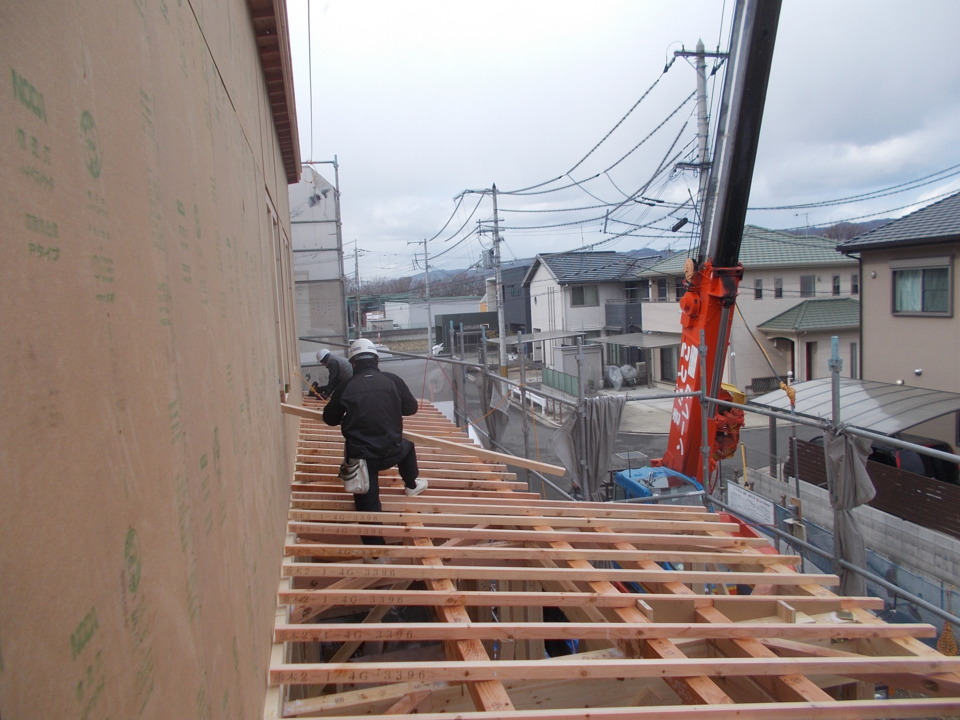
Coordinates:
x,y
910,327
569,292
419,313
781,271
516,297
812,325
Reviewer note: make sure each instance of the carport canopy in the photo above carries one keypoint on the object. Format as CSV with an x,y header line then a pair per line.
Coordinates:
x,y
883,408
647,341
538,336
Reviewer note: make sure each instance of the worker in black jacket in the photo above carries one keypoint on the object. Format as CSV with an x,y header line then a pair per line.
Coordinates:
x,y
369,409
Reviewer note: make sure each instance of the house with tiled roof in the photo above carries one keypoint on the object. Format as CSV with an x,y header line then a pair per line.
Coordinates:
x,y
782,272
573,292
814,322
910,328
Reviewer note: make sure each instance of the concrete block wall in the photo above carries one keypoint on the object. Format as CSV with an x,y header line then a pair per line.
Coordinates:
x,y
925,552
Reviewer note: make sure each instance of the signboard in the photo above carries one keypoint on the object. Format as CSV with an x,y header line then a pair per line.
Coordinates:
x,y
749,505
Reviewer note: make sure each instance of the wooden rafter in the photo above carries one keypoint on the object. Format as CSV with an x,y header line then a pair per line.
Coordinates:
x,y
470,564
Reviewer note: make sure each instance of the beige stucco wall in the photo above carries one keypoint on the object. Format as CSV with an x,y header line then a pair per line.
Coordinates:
x,y
745,341
895,346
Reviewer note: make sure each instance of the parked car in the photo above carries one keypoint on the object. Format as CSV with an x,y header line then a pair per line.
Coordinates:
x,y
911,460
916,462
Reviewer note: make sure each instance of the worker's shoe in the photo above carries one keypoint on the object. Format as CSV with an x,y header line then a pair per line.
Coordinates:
x,y
420,486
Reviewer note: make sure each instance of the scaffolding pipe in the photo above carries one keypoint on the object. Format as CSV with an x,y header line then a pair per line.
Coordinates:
x,y
876,579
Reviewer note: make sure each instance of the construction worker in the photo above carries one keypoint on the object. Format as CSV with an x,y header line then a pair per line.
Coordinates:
x,y
369,409
339,370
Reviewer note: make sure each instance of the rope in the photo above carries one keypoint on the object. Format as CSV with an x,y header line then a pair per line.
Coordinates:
x,y
790,391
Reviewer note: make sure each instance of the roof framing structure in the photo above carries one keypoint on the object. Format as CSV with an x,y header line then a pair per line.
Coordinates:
x,y
677,612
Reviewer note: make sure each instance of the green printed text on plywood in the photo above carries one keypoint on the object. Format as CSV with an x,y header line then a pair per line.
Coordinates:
x,y
84,632
28,95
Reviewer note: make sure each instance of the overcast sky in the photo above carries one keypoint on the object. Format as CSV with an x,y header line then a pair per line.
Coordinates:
x,y
420,100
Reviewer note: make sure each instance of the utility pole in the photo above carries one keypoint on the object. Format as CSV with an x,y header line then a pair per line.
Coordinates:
x,y
356,280
702,122
703,119
501,325
426,282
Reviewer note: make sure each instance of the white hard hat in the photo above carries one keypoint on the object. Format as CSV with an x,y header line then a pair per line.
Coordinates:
x,y
322,355
362,346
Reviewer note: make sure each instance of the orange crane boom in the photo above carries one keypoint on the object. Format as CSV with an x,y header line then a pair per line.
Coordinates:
x,y
699,433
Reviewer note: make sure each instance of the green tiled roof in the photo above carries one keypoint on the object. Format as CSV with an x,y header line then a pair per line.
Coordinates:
x,y
824,314
765,248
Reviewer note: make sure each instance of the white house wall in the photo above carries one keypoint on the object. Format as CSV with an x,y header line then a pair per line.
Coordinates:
x,y
546,307
590,318
550,308
415,314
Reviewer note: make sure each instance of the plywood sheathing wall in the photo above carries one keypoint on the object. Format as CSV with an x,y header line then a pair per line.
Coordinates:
x,y
455,620
144,461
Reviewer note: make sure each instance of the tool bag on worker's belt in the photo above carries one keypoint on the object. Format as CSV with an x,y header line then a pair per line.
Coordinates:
x,y
355,476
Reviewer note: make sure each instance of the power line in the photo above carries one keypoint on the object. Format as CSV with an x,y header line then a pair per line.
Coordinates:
x,y
619,122
575,183
873,194
948,193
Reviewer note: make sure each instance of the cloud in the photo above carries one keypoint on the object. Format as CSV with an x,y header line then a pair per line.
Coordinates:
x,y
420,101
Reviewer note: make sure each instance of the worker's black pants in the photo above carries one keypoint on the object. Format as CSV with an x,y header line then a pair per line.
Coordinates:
x,y
370,500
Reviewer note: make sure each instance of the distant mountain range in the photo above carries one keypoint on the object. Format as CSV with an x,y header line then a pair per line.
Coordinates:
x,y
840,231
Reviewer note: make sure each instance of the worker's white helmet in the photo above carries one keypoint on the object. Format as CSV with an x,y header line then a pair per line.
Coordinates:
x,y
362,346
322,355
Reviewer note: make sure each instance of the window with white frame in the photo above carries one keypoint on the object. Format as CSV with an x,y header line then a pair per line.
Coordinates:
x,y
836,285
855,284
758,289
921,286
778,287
808,285
584,295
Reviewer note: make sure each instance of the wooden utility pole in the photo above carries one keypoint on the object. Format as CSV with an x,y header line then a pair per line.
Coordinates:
x,y
703,119
501,324
356,280
426,282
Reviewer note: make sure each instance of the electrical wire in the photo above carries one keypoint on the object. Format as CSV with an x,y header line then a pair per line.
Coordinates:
x,y
934,199
452,215
521,193
619,122
872,195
